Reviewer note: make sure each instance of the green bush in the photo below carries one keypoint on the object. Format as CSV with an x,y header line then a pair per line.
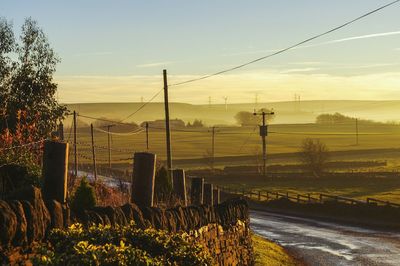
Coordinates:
x,y
84,197
128,245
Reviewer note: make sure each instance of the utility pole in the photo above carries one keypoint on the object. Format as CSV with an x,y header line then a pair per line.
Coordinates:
x,y
75,150
93,154
263,134
167,129
213,148
147,136
357,131
109,143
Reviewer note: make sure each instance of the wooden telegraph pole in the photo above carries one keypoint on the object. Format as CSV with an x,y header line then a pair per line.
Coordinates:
x,y
109,144
93,154
263,134
147,136
167,128
213,148
75,149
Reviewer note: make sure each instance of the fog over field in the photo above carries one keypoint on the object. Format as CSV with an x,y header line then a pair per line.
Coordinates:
x,y
289,112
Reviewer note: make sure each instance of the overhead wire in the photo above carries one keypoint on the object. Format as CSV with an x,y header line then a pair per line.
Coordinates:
x,y
288,48
144,104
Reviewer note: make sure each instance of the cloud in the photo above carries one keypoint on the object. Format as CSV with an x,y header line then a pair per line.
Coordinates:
x,y
156,64
296,70
353,38
240,87
307,63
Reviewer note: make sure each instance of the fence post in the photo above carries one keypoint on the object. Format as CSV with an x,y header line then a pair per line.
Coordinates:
x,y
217,196
197,190
55,170
144,170
179,184
208,194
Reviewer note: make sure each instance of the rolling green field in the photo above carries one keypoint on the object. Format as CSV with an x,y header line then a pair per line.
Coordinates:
x,y
238,141
236,145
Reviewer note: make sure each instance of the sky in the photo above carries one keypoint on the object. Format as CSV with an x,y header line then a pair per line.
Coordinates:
x,y
115,51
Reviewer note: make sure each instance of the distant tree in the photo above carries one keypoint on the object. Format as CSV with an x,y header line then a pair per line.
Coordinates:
x,y
245,118
196,123
314,155
26,79
338,118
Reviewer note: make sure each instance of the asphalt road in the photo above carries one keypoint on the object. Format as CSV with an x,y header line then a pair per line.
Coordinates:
x,y
325,243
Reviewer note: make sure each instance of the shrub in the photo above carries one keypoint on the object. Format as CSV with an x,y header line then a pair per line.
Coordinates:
x,y
128,245
84,197
314,155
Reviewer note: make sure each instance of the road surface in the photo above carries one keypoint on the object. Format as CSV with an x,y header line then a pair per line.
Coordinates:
x,y
325,243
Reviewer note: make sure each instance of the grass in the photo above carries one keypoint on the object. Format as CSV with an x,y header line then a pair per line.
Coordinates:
x,y
271,254
384,188
237,141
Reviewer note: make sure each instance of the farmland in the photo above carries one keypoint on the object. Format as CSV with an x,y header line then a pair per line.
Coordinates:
x,y
379,142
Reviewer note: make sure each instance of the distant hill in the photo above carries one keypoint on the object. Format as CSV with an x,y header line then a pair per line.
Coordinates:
x,y
286,112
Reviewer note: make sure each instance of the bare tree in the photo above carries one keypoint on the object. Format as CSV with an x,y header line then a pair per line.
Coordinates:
x,y
314,155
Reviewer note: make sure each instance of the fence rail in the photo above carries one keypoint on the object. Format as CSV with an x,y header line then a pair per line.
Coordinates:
x,y
265,195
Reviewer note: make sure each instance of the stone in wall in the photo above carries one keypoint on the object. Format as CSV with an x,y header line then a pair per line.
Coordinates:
x,y
24,217
8,224
20,237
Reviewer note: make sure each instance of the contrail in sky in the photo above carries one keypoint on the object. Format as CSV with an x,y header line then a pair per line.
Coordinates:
x,y
367,36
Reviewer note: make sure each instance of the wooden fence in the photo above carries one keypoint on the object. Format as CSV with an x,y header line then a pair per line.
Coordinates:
x,y
265,195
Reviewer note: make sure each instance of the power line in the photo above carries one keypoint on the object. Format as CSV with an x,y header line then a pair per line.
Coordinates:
x,y
107,120
134,132
21,146
247,140
290,47
144,104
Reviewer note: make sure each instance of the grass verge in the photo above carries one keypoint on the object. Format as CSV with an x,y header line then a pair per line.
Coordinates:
x,y
271,254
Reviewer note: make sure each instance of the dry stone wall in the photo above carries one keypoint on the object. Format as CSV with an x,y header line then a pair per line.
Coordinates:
x,y
25,217
229,246
222,229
